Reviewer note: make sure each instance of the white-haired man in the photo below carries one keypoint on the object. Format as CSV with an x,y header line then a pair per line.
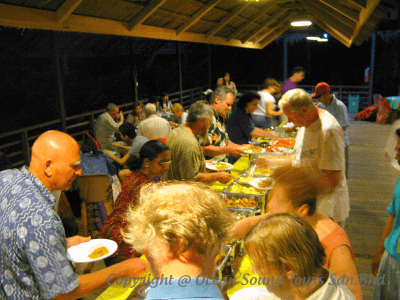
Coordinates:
x,y
180,227
106,127
153,127
320,146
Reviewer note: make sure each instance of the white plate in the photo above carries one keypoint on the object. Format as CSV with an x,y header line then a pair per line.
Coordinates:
x,y
80,253
251,151
211,166
255,183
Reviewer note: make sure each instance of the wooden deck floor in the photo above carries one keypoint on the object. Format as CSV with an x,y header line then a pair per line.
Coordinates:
x,y
371,183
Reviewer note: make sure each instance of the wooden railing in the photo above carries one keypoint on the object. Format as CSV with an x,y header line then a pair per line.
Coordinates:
x,y
17,144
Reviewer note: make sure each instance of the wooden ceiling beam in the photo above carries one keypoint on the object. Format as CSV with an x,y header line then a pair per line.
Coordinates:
x,y
347,12
21,17
332,22
145,13
249,21
264,24
331,31
237,10
364,16
196,16
271,30
333,13
360,3
275,35
66,9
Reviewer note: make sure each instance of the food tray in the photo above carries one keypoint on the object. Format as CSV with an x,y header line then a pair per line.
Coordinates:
x,y
243,211
229,194
227,249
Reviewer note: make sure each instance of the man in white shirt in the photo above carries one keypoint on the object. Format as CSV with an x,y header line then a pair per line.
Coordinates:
x,y
153,127
319,148
106,127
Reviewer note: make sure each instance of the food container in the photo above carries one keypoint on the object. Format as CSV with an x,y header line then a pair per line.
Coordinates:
x,y
227,192
242,212
222,262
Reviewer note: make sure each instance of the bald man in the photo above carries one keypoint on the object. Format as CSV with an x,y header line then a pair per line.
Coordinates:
x,y
33,246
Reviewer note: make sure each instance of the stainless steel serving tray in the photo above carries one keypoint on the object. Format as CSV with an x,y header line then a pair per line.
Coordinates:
x,y
228,194
228,250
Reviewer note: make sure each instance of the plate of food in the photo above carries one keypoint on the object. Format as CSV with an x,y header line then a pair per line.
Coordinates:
x,y
262,183
251,149
220,166
91,251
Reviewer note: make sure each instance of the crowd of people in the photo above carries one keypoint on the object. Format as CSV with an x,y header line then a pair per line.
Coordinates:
x,y
167,211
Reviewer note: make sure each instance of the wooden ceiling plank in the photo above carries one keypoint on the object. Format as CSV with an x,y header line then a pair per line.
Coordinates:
x,y
66,9
347,12
331,31
249,21
196,16
343,29
22,17
275,35
333,13
237,10
365,14
265,34
361,3
264,24
145,13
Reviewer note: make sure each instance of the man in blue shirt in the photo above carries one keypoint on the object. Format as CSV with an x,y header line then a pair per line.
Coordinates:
x,y
387,255
33,246
338,109
180,226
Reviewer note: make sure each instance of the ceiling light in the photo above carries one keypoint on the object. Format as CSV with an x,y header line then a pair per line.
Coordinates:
x,y
322,39
301,23
313,38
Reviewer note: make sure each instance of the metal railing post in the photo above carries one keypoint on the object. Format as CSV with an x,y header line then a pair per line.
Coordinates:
x,y
25,146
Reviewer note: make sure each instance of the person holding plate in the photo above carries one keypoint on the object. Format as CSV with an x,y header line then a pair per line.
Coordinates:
x,y
33,251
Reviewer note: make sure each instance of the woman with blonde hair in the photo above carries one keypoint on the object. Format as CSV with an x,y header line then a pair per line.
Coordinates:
x,y
295,192
264,115
289,258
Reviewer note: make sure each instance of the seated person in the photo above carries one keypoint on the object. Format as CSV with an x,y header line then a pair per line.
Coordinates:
x,y
295,191
165,105
138,114
135,142
180,227
179,115
289,257
153,160
106,126
153,127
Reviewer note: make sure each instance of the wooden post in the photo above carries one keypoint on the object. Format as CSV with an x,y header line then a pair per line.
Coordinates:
x,y
25,147
209,66
133,71
371,71
180,71
285,51
59,80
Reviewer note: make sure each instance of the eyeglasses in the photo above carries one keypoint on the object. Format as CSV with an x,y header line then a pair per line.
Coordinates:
x,y
165,163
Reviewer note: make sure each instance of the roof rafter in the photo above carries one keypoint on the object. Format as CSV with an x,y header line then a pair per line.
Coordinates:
x,y
361,3
349,13
248,22
196,16
331,31
227,18
66,9
341,29
333,13
264,24
275,35
145,13
271,30
364,15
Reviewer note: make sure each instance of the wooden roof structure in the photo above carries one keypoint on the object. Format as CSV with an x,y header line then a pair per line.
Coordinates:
x,y
241,23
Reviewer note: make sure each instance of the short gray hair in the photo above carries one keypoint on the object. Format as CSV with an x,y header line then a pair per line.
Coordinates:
x,y
150,109
198,110
112,107
295,99
221,92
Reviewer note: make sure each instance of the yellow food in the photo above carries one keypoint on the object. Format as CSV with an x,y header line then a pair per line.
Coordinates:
x,y
98,252
221,166
257,149
244,179
263,171
241,202
240,189
265,183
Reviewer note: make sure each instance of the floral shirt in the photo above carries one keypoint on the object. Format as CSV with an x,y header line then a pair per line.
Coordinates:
x,y
33,247
116,221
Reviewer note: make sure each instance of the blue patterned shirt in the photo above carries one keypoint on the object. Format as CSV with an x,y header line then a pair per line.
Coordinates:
x,y
33,247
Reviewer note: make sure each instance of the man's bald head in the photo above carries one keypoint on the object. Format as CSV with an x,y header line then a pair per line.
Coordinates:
x,y
55,160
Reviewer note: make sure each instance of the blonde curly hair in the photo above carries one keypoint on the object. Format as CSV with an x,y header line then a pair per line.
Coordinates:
x,y
179,214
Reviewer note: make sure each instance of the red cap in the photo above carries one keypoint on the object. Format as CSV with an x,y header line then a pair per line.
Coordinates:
x,y
320,89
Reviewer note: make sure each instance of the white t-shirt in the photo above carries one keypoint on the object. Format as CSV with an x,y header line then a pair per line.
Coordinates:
x,y
321,146
262,106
